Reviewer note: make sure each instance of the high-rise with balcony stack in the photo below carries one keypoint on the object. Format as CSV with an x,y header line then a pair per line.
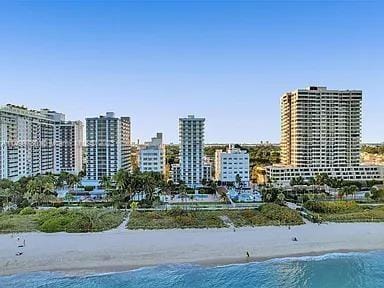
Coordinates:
x,y
191,136
38,142
321,133
108,145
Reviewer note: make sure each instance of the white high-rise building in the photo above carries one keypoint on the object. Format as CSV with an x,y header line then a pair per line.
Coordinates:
x,y
321,133
152,155
108,145
230,163
191,135
29,143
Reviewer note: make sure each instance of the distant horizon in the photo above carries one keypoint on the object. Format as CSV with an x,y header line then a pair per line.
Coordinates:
x,y
228,62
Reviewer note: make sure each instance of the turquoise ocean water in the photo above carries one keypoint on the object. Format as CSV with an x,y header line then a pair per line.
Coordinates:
x,y
331,270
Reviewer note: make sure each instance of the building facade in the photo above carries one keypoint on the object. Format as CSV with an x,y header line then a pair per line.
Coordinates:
x,y
152,155
321,127
230,163
108,145
30,143
321,133
191,135
175,173
68,147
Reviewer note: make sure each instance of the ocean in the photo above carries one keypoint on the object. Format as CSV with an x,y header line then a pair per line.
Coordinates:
x,y
336,270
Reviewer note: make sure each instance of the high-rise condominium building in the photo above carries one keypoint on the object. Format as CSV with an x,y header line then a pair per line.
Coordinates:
x,y
69,147
321,127
108,145
191,135
152,155
31,143
230,163
321,133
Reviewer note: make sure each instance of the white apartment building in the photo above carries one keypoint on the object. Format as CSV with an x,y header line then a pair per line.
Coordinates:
x,y
175,173
321,133
191,135
152,155
284,174
29,143
230,163
108,145
207,171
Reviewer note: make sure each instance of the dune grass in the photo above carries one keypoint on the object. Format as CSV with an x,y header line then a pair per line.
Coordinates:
x,y
61,220
266,215
10,223
175,218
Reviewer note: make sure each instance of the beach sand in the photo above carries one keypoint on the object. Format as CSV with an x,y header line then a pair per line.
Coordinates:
x,y
120,250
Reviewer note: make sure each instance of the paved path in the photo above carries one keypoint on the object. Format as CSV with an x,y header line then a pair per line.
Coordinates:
x,y
123,225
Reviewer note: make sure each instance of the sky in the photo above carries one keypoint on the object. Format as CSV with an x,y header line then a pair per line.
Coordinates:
x,y
156,61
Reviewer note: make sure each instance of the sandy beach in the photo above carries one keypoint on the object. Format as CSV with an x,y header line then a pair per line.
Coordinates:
x,y
120,250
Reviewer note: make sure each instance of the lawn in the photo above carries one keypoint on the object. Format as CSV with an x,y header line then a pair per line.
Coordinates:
x,y
266,215
61,219
347,211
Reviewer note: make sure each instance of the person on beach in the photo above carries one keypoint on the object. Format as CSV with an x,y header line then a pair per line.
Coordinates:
x,y
247,254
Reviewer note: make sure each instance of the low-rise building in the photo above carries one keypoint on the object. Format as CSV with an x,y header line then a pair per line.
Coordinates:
x,y
152,155
230,163
283,174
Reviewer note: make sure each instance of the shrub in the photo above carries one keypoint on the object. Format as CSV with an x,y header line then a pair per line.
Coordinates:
x,y
332,207
27,211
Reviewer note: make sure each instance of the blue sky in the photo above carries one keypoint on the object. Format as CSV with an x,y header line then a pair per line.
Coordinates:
x,y
156,61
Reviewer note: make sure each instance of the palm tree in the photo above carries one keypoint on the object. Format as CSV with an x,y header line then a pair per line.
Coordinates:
x,y
238,181
6,193
72,181
106,182
321,179
149,186
281,197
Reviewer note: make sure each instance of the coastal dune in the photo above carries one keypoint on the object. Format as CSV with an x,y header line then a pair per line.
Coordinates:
x,y
120,250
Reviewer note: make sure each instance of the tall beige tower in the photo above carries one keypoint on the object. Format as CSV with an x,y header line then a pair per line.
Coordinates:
x,y
321,127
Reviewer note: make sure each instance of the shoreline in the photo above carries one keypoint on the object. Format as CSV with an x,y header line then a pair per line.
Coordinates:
x,y
119,251
89,272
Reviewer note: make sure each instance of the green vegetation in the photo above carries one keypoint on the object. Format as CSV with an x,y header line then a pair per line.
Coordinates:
x,y
376,194
123,186
175,218
34,191
79,220
377,149
332,207
172,154
323,179
10,223
61,219
266,215
345,211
